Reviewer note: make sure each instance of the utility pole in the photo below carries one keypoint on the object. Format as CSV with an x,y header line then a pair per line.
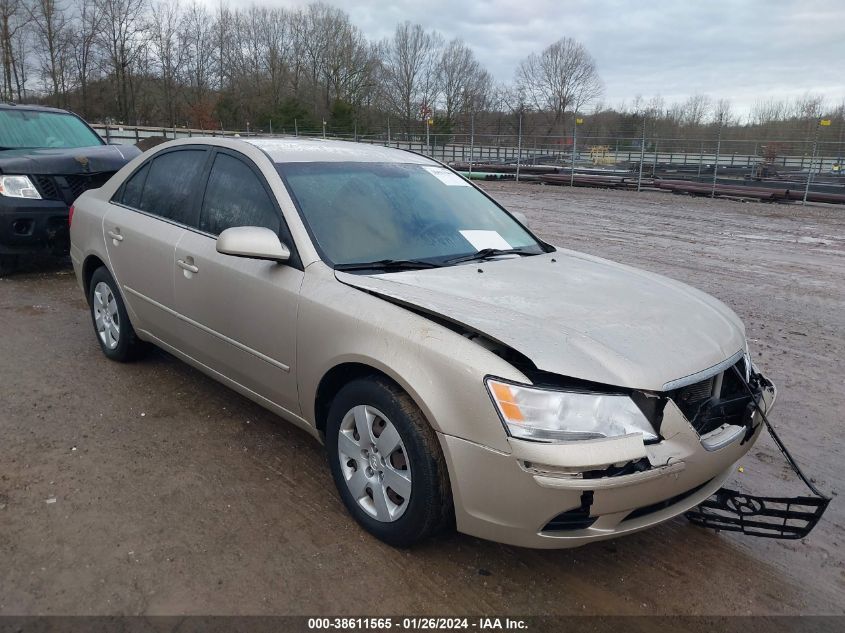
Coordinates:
x,y
471,140
820,123
642,158
574,146
324,128
519,147
295,128
716,162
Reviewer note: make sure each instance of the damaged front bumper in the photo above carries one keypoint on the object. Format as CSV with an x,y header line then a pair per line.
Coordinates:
x,y
568,494
766,517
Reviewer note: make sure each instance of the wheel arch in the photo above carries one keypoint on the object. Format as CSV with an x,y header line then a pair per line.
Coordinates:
x,y
89,266
345,372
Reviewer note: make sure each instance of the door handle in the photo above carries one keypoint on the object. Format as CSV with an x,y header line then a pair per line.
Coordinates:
x,y
187,266
115,235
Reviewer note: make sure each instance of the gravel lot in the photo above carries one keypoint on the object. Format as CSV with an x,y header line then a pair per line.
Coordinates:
x,y
150,489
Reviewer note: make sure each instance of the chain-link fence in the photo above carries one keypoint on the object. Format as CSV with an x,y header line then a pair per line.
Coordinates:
x,y
813,164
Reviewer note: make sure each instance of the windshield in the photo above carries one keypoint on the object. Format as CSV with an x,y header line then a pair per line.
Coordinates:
x,y
377,212
34,129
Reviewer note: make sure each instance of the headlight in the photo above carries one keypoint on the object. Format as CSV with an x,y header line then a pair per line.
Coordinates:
x,y
18,187
545,415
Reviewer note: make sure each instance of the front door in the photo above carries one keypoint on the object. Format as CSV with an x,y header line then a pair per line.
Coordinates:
x,y
239,314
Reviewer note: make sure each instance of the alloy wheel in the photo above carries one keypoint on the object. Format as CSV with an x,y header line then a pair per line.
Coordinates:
x,y
106,317
374,463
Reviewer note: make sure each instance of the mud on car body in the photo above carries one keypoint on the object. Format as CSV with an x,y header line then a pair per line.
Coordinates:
x,y
48,157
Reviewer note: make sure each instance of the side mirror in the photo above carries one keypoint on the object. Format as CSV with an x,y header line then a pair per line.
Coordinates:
x,y
521,217
254,242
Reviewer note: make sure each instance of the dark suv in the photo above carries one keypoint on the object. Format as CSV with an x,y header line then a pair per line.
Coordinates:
x,y
47,158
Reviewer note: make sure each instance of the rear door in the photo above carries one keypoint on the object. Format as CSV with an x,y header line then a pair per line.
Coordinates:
x,y
145,221
240,314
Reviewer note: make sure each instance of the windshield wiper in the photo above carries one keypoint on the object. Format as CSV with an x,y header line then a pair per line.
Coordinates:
x,y
486,253
389,264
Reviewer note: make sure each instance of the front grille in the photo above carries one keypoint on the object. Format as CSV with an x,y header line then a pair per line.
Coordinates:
x,y
69,187
47,187
80,183
721,399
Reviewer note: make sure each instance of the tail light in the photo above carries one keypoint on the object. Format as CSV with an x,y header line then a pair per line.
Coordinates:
x,y
70,217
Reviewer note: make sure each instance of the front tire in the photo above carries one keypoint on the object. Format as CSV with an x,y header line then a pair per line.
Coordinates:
x,y
386,462
111,323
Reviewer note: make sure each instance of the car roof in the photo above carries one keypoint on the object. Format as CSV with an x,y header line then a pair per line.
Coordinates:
x,y
25,106
306,150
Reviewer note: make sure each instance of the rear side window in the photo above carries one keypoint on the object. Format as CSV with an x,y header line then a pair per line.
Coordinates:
x,y
173,184
235,196
134,186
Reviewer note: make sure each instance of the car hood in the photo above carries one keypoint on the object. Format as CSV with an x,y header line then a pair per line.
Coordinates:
x,y
576,315
60,161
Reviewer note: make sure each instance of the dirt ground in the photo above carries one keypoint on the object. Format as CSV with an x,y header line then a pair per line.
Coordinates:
x,y
149,489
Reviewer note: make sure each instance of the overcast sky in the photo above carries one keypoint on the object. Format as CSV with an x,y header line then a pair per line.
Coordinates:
x,y
740,50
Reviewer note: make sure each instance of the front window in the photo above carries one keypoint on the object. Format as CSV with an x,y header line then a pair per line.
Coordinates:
x,y
371,212
28,129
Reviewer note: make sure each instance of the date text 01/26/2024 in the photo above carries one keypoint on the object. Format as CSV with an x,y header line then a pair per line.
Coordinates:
x,y
418,624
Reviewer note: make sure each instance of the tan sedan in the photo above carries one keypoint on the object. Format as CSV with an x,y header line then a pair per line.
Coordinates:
x,y
459,369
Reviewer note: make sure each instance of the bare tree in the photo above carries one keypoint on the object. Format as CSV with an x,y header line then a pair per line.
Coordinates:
x,y
723,113
50,26
122,39
13,22
768,111
410,71
464,85
562,77
83,34
197,30
695,110
168,52
808,107
347,61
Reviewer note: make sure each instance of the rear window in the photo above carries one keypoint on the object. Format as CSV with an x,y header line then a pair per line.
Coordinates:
x,y
172,185
28,129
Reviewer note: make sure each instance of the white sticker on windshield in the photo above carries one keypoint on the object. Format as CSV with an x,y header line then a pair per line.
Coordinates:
x,y
485,239
446,177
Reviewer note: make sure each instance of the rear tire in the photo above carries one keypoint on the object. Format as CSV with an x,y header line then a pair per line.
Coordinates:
x,y
111,323
410,461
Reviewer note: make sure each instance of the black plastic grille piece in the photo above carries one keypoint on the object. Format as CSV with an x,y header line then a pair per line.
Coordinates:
x,y
577,519
767,517
46,186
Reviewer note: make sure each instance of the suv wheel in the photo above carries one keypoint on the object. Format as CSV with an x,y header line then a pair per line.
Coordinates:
x,y
111,323
386,462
